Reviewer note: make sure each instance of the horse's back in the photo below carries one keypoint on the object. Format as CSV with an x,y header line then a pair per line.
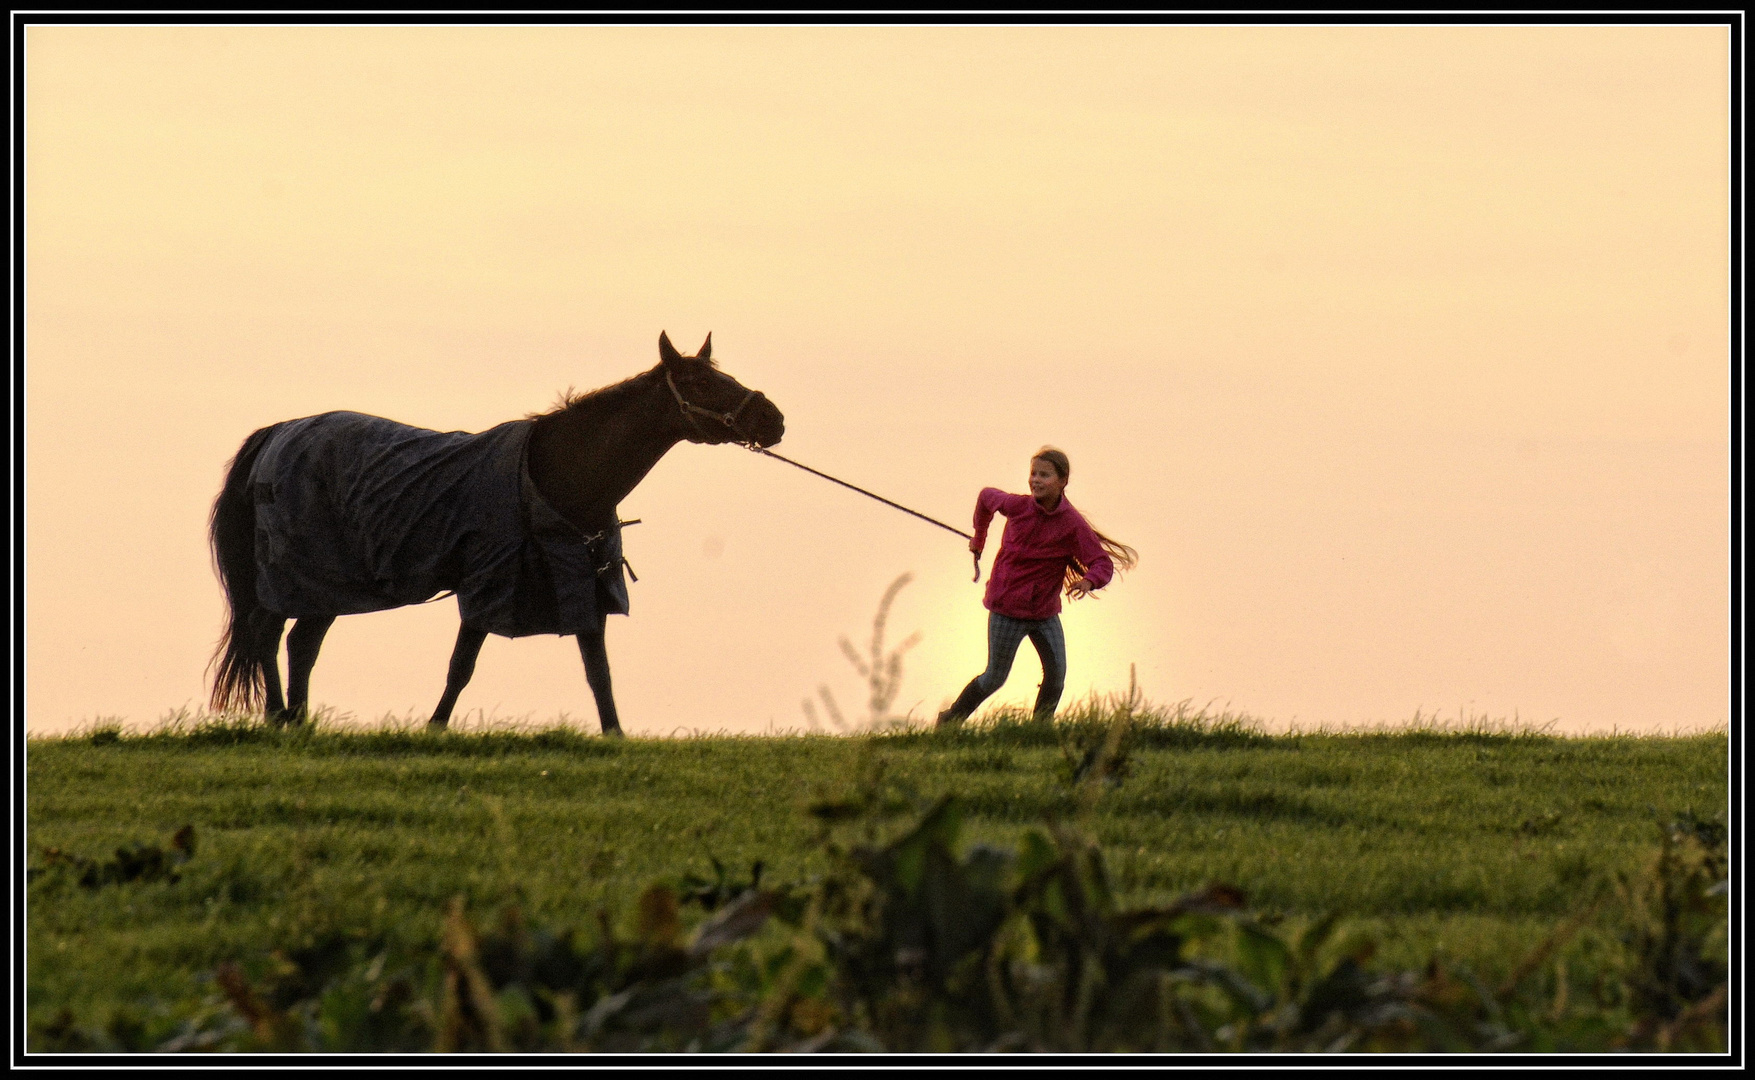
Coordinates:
x,y
359,513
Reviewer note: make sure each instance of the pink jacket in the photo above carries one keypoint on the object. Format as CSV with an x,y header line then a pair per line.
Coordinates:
x,y
1034,553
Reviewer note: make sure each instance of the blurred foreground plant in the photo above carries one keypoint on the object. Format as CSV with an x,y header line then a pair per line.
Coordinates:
x,y
881,670
912,943
132,862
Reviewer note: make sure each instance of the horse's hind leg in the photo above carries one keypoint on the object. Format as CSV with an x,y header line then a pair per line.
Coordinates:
x,y
301,655
596,657
265,629
463,656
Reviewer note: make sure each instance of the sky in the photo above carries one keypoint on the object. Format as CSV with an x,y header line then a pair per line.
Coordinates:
x,y
1399,353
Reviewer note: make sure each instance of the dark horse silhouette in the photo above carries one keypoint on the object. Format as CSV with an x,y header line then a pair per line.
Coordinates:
x,y
344,513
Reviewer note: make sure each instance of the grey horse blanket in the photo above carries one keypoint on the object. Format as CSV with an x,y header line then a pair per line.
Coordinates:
x,y
356,513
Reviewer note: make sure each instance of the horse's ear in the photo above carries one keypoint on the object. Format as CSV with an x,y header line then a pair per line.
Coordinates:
x,y
666,351
706,352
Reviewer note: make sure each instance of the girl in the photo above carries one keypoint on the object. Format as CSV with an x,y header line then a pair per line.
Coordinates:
x,y
1046,543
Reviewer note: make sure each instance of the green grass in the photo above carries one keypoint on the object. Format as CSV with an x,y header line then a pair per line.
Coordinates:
x,y
1471,844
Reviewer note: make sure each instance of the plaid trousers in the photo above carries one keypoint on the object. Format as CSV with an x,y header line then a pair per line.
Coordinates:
x,y
1004,635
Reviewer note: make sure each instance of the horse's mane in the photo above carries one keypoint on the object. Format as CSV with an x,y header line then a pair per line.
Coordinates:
x,y
570,399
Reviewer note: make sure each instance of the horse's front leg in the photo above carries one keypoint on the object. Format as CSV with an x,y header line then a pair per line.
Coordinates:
x,y
463,656
596,657
301,655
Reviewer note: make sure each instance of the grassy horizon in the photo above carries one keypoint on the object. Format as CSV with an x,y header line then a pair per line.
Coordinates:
x,y
331,719
1470,843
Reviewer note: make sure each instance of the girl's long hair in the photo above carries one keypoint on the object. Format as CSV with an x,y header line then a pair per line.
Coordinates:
x,y
1124,557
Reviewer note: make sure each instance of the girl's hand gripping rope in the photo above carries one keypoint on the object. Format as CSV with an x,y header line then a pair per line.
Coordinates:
x,y
977,552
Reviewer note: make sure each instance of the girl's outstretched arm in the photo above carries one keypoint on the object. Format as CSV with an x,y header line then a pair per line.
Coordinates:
x,y
991,501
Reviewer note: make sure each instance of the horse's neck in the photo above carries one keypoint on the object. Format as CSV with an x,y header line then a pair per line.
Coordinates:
x,y
586,459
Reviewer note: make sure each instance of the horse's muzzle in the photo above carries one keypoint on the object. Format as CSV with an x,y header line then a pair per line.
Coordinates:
x,y
765,423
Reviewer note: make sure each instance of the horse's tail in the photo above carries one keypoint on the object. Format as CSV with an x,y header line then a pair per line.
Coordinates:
x,y
239,678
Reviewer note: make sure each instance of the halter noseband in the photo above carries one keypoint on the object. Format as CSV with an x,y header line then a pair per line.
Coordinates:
x,y
729,419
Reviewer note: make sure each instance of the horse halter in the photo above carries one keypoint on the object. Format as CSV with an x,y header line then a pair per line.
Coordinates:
x,y
729,419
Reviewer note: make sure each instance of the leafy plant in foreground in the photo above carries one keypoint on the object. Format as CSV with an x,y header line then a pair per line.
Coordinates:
x,y
923,949
132,862
914,944
1676,935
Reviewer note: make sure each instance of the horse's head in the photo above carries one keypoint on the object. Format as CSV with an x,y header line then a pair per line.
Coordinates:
x,y
716,408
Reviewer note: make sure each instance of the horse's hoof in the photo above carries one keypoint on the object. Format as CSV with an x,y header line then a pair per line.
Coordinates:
x,y
613,733
288,718
435,726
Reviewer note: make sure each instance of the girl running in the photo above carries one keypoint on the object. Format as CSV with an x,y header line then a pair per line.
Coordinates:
x,y
1046,544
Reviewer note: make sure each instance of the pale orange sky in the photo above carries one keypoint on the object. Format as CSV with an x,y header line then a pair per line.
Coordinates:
x,y
1400,353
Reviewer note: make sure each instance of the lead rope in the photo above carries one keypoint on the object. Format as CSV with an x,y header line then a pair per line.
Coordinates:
x,y
769,453
729,419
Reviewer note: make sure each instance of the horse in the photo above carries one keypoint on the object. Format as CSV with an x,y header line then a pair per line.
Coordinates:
x,y
343,513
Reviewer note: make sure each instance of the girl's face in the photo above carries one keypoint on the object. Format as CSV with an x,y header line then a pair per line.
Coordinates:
x,y
1045,483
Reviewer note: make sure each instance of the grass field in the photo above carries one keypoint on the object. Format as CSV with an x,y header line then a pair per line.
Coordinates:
x,y
1471,846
